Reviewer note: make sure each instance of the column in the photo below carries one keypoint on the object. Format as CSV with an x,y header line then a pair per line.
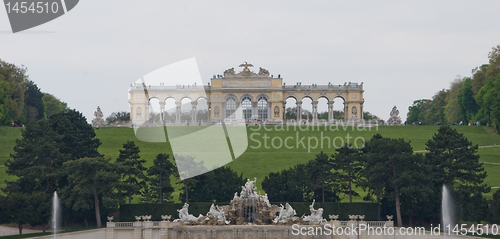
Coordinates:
x,y
284,111
209,112
315,111
330,110
299,111
178,111
346,110
193,111
162,111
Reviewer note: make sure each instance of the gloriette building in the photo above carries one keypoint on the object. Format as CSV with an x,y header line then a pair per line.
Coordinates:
x,y
245,96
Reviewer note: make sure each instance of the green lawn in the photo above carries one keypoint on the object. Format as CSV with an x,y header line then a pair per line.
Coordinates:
x,y
259,162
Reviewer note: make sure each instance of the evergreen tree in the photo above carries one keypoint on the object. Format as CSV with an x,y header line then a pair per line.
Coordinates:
x,y
217,185
348,165
34,106
467,104
91,181
455,161
132,170
159,184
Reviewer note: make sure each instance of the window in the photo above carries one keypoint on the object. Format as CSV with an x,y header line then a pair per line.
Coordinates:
x,y
262,108
246,105
230,107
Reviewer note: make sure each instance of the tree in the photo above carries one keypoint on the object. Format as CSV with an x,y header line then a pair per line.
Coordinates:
x,y
132,171
288,185
34,106
159,185
489,100
16,78
320,179
466,102
348,165
23,208
390,165
37,160
53,105
478,78
452,109
495,208
90,182
455,161
217,185
418,110
4,110
188,168
118,116
494,63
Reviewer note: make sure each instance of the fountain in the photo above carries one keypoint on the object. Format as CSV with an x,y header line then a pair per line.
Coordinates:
x,y
55,212
447,209
250,208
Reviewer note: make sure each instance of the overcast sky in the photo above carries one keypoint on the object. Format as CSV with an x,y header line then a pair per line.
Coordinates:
x,y
401,50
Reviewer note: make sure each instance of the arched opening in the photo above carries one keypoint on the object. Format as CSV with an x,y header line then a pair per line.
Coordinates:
x,y
262,108
170,109
202,114
246,106
307,109
154,110
322,108
230,108
291,109
186,109
338,108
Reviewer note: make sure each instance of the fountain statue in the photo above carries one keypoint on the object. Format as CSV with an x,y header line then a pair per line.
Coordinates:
x,y
316,216
184,215
285,213
250,208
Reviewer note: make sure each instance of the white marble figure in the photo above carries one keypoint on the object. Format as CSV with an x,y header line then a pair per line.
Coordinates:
x,y
316,215
286,212
217,212
265,200
249,190
184,215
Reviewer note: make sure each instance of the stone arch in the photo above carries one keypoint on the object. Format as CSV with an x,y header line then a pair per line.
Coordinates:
x,y
226,96
292,96
247,95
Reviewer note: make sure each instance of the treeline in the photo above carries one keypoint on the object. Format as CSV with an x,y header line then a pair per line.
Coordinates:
x,y
60,154
402,183
469,100
21,101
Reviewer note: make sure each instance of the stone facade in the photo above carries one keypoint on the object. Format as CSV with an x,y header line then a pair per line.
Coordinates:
x,y
248,96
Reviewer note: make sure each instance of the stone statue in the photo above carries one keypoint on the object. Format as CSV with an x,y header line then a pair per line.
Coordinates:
x,y
354,112
263,72
184,215
276,111
394,119
316,215
285,213
249,190
229,72
218,213
98,121
246,65
216,111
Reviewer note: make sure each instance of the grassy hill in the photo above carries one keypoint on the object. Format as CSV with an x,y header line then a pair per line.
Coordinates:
x,y
260,161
